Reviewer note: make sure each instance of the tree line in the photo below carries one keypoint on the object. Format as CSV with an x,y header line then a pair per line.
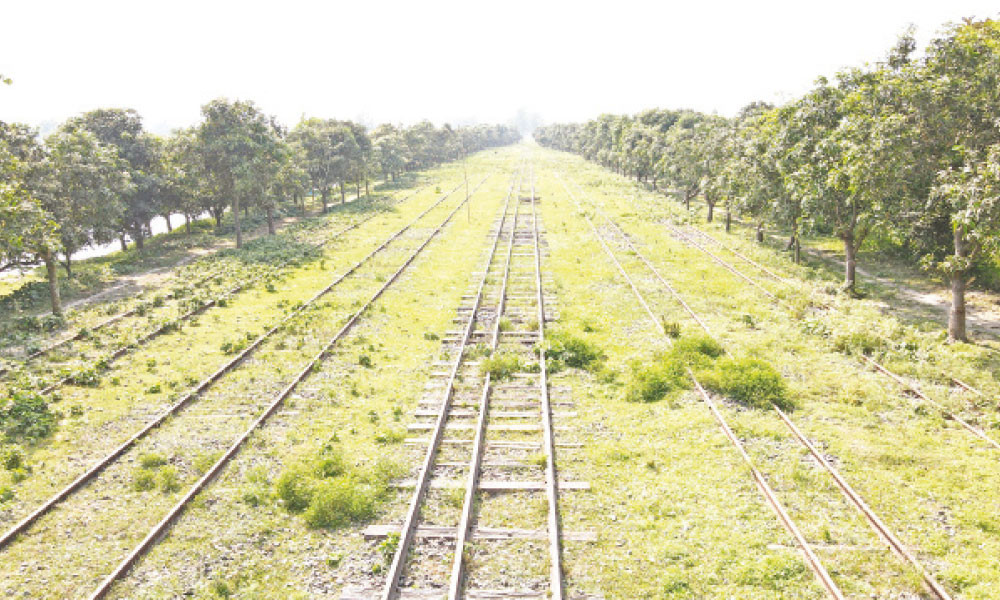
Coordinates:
x,y
102,177
906,150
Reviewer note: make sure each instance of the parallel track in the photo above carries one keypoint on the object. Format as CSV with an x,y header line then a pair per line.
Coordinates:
x,y
880,528
160,529
84,478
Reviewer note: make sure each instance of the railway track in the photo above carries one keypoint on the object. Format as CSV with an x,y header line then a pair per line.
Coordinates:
x,y
911,389
855,499
176,322
485,423
190,426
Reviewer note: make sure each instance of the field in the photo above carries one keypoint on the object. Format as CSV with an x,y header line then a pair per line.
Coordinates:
x,y
496,390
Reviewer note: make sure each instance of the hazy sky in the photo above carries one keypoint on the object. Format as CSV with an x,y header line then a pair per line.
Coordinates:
x,y
446,61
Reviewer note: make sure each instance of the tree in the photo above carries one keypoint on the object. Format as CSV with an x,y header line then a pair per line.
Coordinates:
x,y
237,141
389,151
141,154
85,182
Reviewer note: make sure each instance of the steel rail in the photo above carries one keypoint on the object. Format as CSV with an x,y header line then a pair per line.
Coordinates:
x,y
199,389
742,256
874,521
475,461
408,532
812,561
556,587
160,529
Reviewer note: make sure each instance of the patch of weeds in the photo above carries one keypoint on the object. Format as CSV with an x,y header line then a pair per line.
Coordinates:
x,y
6,494
390,436
455,497
294,488
12,458
143,480
749,321
431,336
168,480
25,416
572,351
502,365
365,361
387,549
203,461
480,350
156,388
667,373
152,460
748,381
505,324
671,328
859,343
87,377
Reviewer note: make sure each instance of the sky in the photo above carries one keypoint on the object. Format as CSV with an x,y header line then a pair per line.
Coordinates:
x,y
447,61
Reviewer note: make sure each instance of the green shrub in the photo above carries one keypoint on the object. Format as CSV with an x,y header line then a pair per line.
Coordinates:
x,y
12,458
365,361
329,464
502,365
654,381
168,480
748,381
340,501
143,480
671,328
294,488
26,416
695,351
859,342
152,460
573,351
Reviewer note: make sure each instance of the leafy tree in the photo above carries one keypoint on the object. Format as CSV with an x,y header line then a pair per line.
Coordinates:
x,y
238,143
389,151
85,182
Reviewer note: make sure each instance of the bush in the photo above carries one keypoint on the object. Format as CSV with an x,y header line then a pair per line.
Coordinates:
x,y
501,365
294,489
143,480
12,458
695,351
574,352
750,382
329,464
859,342
168,479
152,460
340,501
652,382
26,416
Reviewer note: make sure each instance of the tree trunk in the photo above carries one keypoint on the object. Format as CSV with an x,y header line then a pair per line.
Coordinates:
x,y
687,201
959,281
246,210
139,239
187,223
760,233
236,221
121,239
53,275
850,262
343,193
366,186
170,228
357,186
729,219
325,195
798,250
711,207
68,264
270,220
791,242
218,217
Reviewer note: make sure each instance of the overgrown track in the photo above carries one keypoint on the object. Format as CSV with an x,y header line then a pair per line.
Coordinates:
x,y
912,389
205,384
177,322
508,296
880,528
262,410
189,286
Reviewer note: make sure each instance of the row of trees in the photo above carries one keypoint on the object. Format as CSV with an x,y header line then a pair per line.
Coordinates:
x,y
102,177
907,149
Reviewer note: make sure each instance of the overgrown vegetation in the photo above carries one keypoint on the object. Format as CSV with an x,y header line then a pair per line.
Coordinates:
x,y
329,493
26,417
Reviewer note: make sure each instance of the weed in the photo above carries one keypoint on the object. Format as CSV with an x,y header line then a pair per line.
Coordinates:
x,y
671,328
12,458
372,416
202,462
390,436
388,548
502,365
152,460
156,388
329,464
294,489
455,497
168,480
143,480
573,351
339,501
653,382
430,336
26,416
221,588
505,324
365,361
6,494
750,382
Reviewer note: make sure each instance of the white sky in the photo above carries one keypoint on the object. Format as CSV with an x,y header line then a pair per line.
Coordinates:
x,y
451,61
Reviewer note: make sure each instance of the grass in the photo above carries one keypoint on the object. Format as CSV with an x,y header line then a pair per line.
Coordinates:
x,y
670,498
